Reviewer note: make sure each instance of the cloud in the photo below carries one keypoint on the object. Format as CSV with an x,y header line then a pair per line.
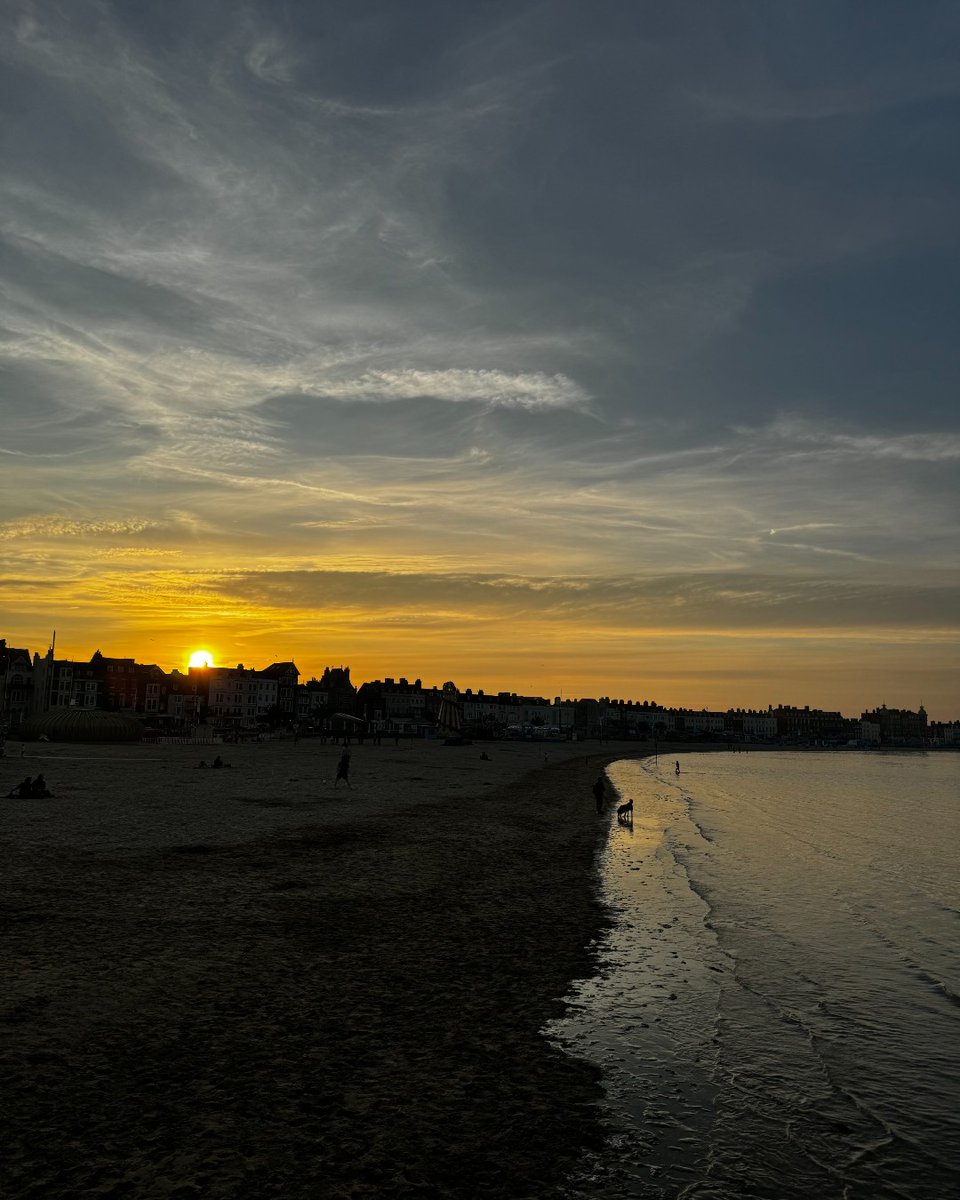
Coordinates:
x,y
54,526
741,605
270,61
802,435
533,392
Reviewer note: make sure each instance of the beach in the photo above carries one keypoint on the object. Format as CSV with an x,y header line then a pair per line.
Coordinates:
x,y
247,982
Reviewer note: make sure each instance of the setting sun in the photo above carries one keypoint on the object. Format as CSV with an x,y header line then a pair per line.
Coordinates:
x,y
201,658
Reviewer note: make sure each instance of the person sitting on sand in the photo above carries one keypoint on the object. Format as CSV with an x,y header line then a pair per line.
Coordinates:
x,y
343,769
38,789
20,789
203,762
218,761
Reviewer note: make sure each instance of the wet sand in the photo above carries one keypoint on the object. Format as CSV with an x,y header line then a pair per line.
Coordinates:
x,y
247,983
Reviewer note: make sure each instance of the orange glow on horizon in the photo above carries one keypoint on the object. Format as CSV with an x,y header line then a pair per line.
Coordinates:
x,y
531,639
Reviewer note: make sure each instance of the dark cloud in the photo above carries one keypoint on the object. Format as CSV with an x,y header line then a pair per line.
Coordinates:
x,y
715,602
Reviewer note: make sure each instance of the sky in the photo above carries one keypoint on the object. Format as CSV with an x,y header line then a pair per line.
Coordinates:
x,y
581,349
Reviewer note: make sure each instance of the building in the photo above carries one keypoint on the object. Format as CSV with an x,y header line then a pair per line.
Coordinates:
x,y
809,726
236,698
181,701
690,721
518,716
944,733
869,733
899,726
151,692
17,679
118,682
287,677
74,684
313,703
746,724
403,702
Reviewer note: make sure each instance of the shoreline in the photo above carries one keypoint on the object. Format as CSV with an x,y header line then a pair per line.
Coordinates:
x,y
350,1003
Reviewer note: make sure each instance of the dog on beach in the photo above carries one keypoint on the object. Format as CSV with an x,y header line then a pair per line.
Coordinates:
x,y
625,811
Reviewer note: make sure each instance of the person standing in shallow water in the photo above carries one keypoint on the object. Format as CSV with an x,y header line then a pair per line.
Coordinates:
x,y
343,769
599,789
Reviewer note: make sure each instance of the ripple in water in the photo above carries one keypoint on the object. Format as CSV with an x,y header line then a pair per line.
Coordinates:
x,y
778,1015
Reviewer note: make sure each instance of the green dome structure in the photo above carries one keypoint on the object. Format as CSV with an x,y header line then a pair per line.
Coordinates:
x,y
80,725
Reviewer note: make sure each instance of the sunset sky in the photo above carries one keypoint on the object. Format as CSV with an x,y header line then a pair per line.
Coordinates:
x,y
594,349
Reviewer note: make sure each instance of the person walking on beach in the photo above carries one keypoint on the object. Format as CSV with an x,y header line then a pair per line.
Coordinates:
x,y
599,788
676,767
343,769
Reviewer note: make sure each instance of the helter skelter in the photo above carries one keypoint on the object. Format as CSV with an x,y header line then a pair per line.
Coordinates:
x,y
450,716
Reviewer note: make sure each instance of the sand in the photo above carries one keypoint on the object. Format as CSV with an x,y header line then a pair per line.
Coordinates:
x,y
248,983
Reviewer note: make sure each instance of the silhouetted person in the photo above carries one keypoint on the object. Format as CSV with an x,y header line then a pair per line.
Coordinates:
x,y
599,790
676,767
21,789
218,761
343,769
38,789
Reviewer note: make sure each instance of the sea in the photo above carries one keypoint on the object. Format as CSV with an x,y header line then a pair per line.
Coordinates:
x,y
777,1012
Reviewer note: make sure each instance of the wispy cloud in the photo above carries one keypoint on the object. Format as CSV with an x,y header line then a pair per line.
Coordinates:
x,y
531,391
798,435
60,527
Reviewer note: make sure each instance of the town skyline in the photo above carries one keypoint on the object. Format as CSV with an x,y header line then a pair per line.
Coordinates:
x,y
320,665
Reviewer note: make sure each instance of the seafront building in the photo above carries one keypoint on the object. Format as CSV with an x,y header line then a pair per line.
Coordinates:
x,y
944,733
16,683
244,701
234,697
899,726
